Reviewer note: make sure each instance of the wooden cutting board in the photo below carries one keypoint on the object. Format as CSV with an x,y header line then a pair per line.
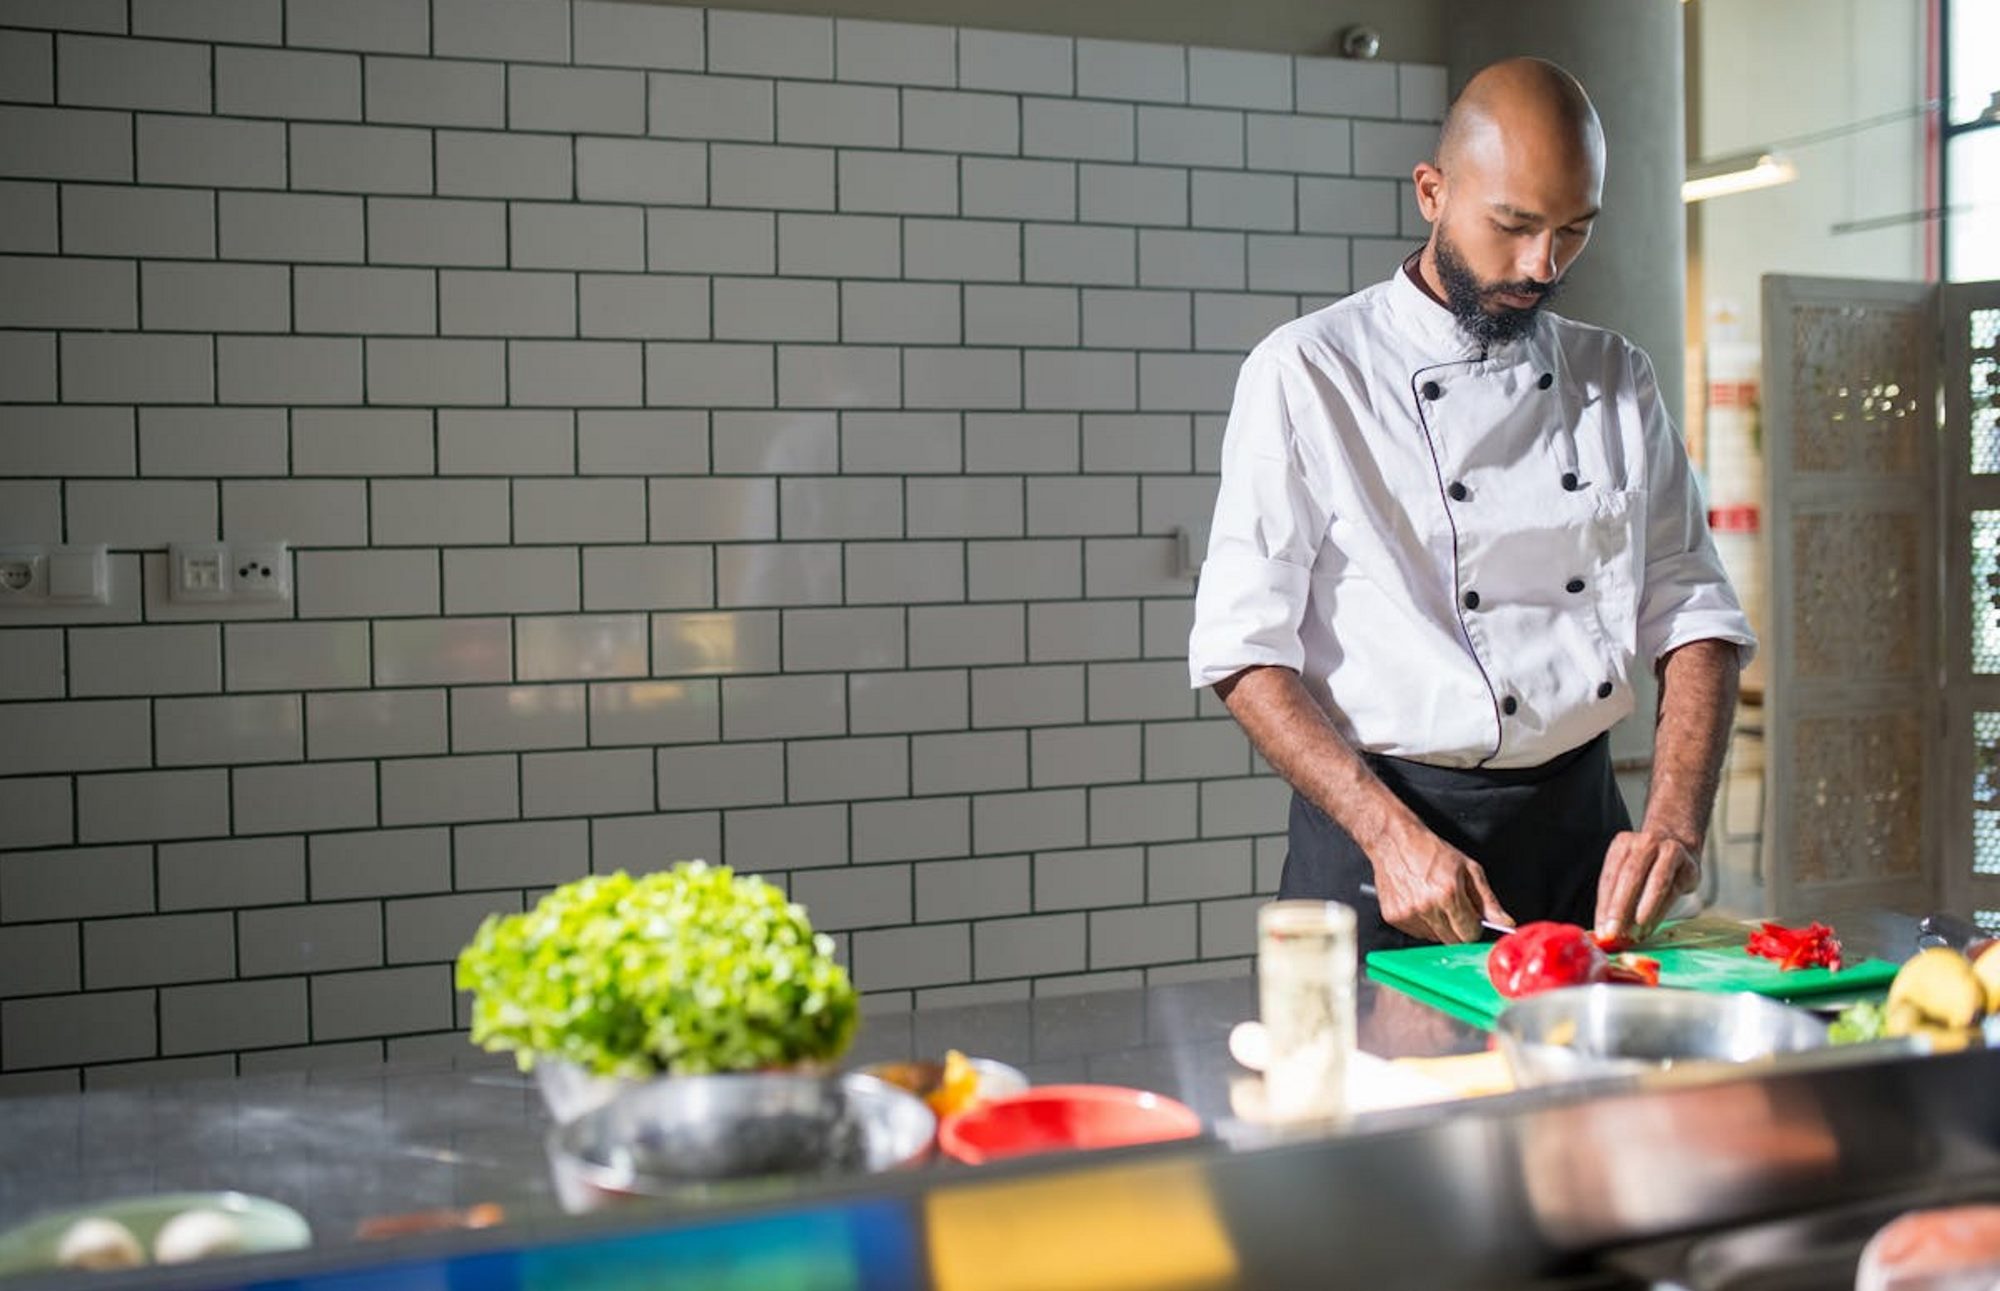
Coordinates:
x,y
1703,954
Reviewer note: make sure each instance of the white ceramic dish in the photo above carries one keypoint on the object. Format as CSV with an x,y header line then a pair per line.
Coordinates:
x,y
266,1225
923,1076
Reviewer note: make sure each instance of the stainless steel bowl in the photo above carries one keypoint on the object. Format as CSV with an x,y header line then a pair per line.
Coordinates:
x,y
696,1138
568,1090
1592,1031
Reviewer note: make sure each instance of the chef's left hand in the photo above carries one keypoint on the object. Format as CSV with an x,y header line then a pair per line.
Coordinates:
x,y
1644,871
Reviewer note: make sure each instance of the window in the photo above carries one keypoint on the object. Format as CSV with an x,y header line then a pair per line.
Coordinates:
x,y
1971,140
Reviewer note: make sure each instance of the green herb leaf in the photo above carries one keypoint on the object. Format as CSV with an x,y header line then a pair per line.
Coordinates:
x,y
689,970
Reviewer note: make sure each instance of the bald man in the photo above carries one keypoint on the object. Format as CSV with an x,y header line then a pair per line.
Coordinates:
x,y
1450,522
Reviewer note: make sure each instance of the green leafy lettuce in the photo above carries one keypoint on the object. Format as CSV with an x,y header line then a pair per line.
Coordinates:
x,y
1860,1022
686,971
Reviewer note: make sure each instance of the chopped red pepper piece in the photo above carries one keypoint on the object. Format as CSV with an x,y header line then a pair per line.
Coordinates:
x,y
1813,946
1633,970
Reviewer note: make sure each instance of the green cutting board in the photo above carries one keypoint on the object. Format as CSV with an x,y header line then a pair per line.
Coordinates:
x,y
1700,954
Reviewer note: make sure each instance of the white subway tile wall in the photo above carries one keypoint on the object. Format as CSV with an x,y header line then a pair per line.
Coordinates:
x,y
700,432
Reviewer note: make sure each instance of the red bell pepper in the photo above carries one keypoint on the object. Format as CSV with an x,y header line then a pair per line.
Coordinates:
x,y
1813,946
1542,956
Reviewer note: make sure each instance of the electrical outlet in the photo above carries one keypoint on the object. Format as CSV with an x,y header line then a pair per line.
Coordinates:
x,y
260,571
23,574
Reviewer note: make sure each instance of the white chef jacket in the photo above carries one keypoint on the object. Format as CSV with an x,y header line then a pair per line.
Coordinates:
x,y
1460,548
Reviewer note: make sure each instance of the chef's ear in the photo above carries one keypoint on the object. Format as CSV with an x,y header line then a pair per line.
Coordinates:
x,y
1430,190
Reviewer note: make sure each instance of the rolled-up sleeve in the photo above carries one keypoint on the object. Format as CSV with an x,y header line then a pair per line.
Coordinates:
x,y
1687,595
1266,533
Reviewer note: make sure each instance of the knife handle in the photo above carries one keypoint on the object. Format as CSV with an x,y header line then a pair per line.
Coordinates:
x,y
1947,930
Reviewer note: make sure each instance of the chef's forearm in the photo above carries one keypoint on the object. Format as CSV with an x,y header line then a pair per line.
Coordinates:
x,y
1697,706
1292,731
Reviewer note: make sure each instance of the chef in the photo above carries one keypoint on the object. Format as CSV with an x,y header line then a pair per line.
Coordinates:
x,y
1449,522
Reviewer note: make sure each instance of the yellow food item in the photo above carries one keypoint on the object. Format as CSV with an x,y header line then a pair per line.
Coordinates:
x,y
957,1088
1468,1075
1948,1040
1903,1018
1941,987
1987,969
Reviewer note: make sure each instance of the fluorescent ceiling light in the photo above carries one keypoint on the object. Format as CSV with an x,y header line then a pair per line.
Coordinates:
x,y
1737,174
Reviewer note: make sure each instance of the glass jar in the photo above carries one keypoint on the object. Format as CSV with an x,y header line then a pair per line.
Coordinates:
x,y
1305,990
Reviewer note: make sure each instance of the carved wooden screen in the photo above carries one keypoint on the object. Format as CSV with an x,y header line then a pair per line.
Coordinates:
x,y
1853,755
1970,825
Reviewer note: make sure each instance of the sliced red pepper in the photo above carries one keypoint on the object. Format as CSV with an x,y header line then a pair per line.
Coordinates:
x,y
1813,946
1633,970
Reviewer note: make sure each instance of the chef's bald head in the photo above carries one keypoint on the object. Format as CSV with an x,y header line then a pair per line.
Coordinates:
x,y
1523,112
1512,196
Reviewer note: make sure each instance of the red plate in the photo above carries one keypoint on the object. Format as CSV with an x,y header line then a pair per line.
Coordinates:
x,y
1056,1118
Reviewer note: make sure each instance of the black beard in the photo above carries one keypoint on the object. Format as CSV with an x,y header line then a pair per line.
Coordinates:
x,y
1467,297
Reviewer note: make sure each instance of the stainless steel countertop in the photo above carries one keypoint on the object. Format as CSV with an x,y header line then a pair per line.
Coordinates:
x,y
341,1146
344,1146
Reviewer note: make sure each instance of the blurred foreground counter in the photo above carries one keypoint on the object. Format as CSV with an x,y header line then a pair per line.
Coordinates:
x,y
1578,1186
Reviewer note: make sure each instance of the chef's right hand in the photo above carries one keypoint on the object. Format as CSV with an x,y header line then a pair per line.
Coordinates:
x,y
1430,889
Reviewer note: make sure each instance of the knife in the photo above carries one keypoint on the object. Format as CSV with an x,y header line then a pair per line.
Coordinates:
x,y
1948,930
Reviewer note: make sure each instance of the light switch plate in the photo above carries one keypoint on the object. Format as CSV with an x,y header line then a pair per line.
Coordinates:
x,y
79,576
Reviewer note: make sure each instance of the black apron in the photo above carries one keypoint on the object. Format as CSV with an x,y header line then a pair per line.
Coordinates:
x,y
1540,832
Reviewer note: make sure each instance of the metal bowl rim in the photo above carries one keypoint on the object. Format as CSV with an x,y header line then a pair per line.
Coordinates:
x,y
1643,1001
1529,1057
565,1156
